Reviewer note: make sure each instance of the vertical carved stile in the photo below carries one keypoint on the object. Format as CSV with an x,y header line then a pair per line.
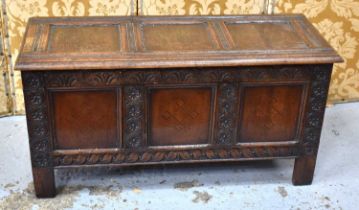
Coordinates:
x,y
134,116
227,113
316,107
37,119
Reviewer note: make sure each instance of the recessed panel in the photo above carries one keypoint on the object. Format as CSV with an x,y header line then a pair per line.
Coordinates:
x,y
259,36
85,119
270,113
180,116
84,38
171,37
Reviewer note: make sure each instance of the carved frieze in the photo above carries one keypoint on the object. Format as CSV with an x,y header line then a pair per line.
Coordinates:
x,y
148,156
63,79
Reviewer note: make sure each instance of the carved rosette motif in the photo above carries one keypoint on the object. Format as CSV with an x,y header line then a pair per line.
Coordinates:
x,y
226,117
148,156
316,108
134,116
37,118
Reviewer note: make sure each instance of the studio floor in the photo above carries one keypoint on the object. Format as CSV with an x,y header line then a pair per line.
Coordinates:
x,y
242,185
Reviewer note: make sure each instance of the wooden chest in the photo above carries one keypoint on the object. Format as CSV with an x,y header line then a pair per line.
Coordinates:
x,y
155,90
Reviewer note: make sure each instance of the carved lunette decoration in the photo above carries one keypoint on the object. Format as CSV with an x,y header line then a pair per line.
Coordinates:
x,y
95,78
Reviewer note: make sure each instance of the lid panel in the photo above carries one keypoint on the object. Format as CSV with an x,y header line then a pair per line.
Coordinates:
x,y
178,37
261,36
171,41
74,38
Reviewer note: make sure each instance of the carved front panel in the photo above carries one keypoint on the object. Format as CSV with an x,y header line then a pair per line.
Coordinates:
x,y
270,113
85,119
180,116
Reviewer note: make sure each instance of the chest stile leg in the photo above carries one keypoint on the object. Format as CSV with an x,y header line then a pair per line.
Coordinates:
x,y
304,165
39,134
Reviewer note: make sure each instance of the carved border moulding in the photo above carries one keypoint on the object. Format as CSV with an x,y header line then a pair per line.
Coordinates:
x,y
36,114
155,156
94,78
134,116
227,113
274,73
316,108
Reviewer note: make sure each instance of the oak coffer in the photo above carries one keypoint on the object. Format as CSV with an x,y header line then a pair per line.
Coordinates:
x,y
155,90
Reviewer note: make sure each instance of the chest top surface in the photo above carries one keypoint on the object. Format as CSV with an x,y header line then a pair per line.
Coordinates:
x,y
171,41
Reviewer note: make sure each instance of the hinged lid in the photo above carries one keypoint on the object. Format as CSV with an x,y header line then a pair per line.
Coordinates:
x,y
177,41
